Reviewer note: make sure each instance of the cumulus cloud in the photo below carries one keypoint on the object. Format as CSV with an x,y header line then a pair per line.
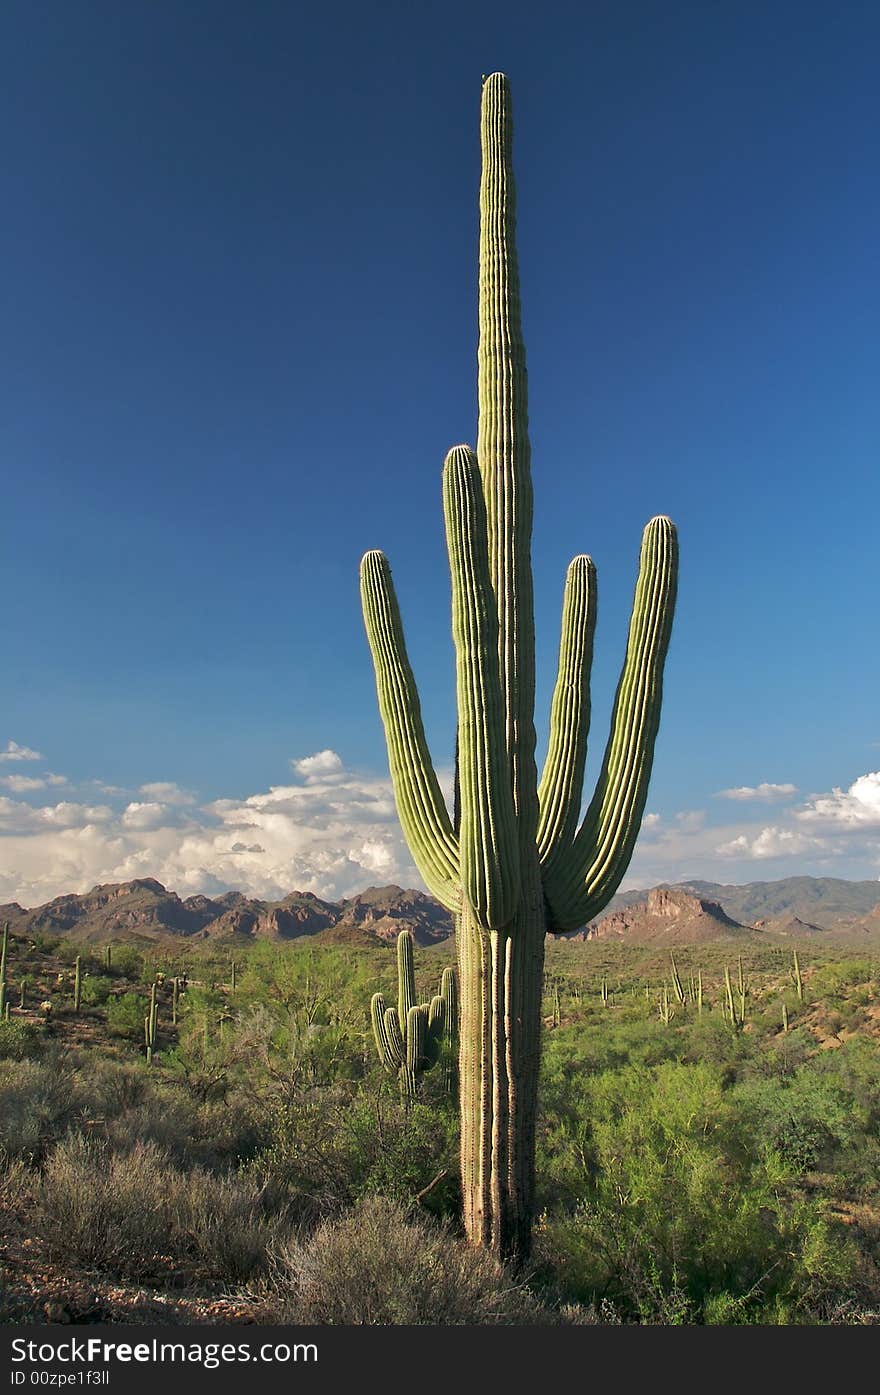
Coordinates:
x,y
332,832
855,808
318,766
15,752
765,792
771,842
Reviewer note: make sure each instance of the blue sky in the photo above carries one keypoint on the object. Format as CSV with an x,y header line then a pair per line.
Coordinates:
x,y
239,334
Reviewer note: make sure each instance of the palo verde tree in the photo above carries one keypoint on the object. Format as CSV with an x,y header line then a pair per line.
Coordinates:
x,y
515,862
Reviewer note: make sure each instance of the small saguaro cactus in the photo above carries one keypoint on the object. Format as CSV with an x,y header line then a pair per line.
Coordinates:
x,y
175,1000
77,984
4,949
516,863
796,975
411,1037
677,983
150,1025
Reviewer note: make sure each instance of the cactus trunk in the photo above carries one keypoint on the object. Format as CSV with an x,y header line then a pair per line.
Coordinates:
x,y
512,862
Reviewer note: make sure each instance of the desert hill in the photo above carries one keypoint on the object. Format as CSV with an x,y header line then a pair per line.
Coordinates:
x,y
144,909
686,912
670,916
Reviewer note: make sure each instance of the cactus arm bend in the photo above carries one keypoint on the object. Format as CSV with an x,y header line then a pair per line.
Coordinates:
x,y
420,806
559,793
389,1042
488,839
503,445
584,878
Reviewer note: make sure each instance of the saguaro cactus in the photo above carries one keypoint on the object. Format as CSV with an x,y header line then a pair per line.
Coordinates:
x,y
4,950
412,1037
515,863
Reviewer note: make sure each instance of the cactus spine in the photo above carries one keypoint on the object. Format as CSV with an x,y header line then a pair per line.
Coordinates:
x,y
412,1037
515,863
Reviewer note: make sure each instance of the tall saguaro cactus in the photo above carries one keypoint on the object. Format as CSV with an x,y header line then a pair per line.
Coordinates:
x,y
517,862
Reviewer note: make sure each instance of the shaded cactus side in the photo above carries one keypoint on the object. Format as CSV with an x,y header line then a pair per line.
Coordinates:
x,y
412,1037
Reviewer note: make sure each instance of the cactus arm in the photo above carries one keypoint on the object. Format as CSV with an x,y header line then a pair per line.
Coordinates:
x,y
389,1043
503,445
488,840
406,978
420,805
585,877
416,1029
559,793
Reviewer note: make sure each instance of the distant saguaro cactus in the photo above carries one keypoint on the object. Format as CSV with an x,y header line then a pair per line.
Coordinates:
x,y
516,863
411,1037
4,950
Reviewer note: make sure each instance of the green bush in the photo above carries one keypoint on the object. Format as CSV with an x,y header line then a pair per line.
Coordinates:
x,y
19,1039
686,1210
125,1015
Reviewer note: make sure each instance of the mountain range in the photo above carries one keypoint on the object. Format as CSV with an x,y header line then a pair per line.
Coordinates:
x,y
684,913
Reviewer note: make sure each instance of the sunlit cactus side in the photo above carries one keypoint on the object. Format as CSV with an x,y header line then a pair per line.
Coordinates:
x,y
518,861
413,1036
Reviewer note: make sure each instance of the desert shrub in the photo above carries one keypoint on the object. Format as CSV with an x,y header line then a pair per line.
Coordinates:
x,y
210,1133
685,1210
136,1215
384,1263
19,1039
125,1015
806,1120
127,962
36,1105
96,989
330,1148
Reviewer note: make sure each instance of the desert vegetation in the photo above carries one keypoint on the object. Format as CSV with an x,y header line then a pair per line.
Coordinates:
x,y
693,1166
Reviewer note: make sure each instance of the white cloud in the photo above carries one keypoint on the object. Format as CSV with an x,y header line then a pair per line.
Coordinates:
x,y
334,832
322,763
167,792
764,792
22,784
15,752
772,842
855,808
